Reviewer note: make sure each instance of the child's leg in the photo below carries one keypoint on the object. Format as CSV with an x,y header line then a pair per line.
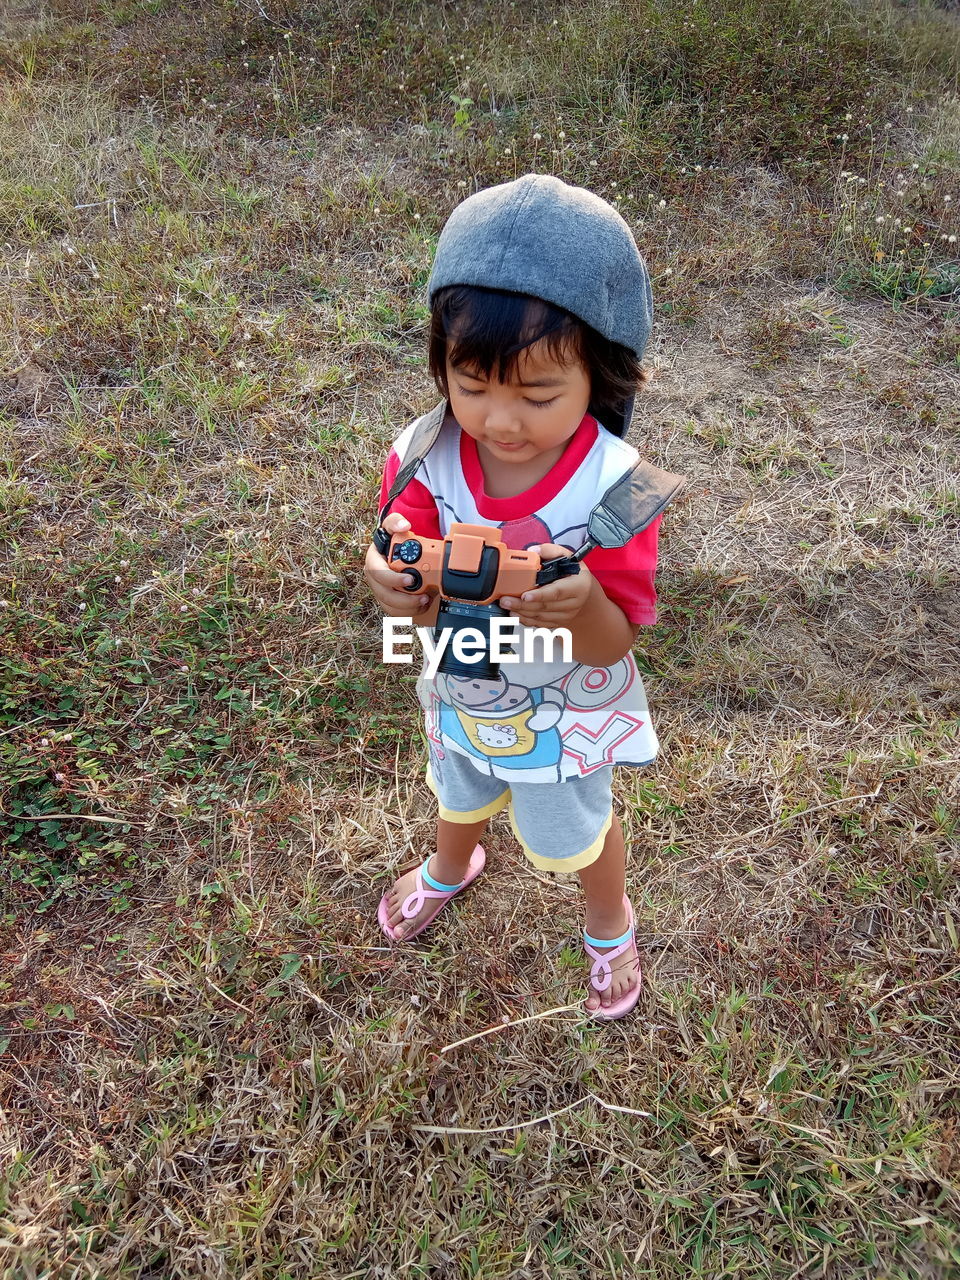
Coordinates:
x,y
568,823
603,883
455,843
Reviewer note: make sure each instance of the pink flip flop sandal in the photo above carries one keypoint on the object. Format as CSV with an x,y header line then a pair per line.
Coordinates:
x,y
442,892
601,974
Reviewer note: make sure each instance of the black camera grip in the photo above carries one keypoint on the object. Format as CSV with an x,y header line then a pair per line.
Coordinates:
x,y
381,540
564,567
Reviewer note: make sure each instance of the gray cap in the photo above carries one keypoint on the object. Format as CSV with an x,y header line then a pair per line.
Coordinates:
x,y
541,236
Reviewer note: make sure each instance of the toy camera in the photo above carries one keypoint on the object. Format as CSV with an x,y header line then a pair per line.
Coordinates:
x,y
471,569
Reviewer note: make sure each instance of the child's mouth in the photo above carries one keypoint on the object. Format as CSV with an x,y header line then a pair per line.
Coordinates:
x,y
509,447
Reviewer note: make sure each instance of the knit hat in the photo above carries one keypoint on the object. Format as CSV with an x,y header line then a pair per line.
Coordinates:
x,y
540,236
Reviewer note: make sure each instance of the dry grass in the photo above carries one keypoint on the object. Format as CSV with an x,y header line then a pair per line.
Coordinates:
x,y
211,326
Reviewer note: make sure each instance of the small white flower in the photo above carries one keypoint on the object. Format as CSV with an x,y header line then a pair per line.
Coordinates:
x,y
183,608
947,199
537,137
848,228
82,606
951,239
669,271
662,204
184,668
561,135
848,116
44,742
844,137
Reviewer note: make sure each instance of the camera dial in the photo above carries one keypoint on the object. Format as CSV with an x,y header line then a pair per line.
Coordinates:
x,y
409,552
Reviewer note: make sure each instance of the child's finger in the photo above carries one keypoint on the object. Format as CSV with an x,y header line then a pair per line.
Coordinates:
x,y
396,523
391,593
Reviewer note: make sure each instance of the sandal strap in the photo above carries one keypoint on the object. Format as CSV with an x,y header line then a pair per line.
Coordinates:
x,y
601,973
613,942
414,902
435,884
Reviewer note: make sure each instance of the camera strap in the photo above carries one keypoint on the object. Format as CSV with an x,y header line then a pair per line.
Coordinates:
x,y
630,504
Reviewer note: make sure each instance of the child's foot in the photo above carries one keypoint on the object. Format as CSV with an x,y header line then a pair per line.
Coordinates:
x,y
394,898
398,895
625,969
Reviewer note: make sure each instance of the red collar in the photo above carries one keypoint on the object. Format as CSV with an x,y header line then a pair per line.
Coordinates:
x,y
538,495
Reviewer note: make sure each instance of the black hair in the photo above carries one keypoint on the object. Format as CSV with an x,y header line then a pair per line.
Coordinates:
x,y
487,329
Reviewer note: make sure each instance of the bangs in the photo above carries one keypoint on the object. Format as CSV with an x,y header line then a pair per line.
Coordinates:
x,y
486,330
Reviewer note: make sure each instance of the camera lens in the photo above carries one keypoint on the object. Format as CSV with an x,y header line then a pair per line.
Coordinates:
x,y
456,618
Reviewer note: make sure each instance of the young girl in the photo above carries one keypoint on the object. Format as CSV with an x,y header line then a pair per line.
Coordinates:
x,y
541,309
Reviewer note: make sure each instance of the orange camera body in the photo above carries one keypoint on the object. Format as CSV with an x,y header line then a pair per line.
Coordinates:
x,y
472,564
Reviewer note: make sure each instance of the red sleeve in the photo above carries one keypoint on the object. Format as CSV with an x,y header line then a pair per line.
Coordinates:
x,y
626,574
415,502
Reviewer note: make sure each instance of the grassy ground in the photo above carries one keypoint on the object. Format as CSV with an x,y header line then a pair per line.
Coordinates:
x,y
215,226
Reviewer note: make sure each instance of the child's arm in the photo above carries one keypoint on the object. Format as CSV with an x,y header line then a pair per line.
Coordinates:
x,y
600,631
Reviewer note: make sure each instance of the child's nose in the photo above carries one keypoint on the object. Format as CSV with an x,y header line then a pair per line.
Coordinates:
x,y
502,417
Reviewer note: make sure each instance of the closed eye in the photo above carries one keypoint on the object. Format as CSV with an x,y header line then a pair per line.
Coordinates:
x,y
542,404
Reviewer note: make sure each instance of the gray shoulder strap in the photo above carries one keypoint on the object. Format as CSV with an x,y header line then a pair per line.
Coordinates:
x,y
631,504
425,433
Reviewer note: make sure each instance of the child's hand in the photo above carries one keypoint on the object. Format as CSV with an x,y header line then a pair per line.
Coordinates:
x,y
384,582
557,604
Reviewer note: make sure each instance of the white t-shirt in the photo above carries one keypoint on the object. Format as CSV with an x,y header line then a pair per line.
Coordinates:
x,y
541,721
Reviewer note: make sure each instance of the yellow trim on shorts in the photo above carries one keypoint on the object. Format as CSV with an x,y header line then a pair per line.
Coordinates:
x,y
473,815
577,862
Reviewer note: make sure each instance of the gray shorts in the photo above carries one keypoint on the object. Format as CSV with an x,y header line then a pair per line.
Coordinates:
x,y
561,826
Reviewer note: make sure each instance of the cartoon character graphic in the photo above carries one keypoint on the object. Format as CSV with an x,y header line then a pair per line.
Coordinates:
x,y
497,736
500,719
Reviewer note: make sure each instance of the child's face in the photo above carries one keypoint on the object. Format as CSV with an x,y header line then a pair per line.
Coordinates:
x,y
533,414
